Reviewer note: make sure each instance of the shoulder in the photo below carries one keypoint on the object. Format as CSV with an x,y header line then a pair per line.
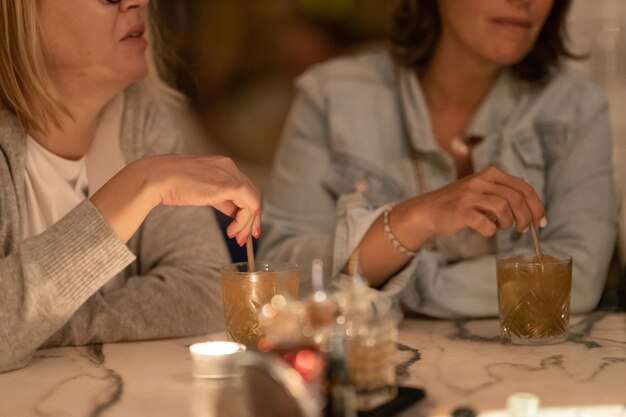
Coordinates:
x,y
149,121
146,99
9,123
570,94
12,136
373,69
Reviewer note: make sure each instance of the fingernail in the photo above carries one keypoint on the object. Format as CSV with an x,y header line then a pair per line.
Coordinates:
x,y
543,222
525,230
257,232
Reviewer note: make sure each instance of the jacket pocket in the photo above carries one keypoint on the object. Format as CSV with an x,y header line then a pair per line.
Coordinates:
x,y
554,138
529,150
528,160
347,176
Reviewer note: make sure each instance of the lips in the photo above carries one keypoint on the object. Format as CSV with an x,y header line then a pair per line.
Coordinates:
x,y
513,21
135,32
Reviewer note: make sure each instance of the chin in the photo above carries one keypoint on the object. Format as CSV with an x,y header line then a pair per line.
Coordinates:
x,y
137,73
509,54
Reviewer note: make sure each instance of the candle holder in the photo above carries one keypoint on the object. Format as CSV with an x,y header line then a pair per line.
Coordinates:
x,y
215,360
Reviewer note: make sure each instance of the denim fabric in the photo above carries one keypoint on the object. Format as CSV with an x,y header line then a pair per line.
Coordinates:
x,y
362,122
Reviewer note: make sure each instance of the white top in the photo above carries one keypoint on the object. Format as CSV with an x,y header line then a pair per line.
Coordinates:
x,y
53,185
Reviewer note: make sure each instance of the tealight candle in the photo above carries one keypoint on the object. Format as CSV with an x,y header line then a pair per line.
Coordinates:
x,y
214,359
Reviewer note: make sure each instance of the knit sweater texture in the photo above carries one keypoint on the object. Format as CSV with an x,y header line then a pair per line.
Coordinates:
x,y
77,283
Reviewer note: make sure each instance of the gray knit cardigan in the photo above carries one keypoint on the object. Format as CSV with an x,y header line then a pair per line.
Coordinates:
x,y
164,283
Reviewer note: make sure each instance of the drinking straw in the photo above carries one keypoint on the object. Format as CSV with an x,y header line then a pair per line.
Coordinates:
x,y
535,235
250,253
317,275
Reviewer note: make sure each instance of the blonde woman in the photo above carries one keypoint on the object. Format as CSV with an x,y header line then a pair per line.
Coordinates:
x,y
91,247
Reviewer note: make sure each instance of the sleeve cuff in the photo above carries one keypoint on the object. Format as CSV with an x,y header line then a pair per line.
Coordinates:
x,y
355,215
79,253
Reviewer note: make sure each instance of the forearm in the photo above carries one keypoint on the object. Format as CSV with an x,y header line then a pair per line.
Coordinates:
x,y
172,290
29,313
168,302
126,200
50,276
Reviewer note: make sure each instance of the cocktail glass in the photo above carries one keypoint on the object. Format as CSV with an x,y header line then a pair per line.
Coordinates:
x,y
534,297
245,293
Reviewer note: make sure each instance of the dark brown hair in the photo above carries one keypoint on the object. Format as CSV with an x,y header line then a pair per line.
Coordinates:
x,y
417,27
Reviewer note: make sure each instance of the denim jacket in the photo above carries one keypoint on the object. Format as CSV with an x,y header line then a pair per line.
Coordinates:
x,y
358,123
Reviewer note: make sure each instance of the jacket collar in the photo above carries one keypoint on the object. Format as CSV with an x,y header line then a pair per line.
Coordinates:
x,y
491,117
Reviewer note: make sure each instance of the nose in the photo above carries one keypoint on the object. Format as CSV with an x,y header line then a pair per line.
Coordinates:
x,y
133,4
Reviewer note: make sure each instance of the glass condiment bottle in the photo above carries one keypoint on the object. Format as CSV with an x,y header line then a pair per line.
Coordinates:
x,y
341,395
371,342
322,311
283,322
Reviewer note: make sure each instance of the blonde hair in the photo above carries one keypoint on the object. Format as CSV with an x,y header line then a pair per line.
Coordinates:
x,y
25,87
160,58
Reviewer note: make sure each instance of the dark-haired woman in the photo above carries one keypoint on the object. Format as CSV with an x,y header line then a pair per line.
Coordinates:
x,y
433,158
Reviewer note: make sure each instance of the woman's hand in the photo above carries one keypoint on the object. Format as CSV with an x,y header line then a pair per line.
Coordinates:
x,y
486,201
128,197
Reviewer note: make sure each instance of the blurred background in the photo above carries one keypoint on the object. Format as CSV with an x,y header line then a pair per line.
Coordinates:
x,y
237,60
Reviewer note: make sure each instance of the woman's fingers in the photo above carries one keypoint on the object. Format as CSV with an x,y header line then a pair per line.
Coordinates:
x,y
256,227
516,205
503,199
242,201
245,209
199,181
485,201
532,200
243,226
241,223
478,221
493,208
227,207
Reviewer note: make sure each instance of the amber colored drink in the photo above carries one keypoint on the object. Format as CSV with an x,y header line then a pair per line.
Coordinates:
x,y
245,293
371,363
534,298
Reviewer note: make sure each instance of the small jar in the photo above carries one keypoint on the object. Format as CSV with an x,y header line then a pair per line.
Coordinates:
x,y
371,360
371,327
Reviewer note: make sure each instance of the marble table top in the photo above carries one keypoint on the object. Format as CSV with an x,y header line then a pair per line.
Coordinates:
x,y
464,363
458,363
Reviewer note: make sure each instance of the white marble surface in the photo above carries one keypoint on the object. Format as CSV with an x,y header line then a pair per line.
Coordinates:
x,y
465,364
458,363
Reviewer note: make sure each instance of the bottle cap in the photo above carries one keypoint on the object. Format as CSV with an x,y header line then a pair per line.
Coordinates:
x,y
317,275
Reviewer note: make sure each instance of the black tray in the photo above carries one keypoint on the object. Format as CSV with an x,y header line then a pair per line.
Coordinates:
x,y
406,397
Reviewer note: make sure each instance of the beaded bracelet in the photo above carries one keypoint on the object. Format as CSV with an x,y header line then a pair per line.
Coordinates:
x,y
392,238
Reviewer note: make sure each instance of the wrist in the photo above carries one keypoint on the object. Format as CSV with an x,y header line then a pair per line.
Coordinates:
x,y
147,183
126,199
412,216
392,238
